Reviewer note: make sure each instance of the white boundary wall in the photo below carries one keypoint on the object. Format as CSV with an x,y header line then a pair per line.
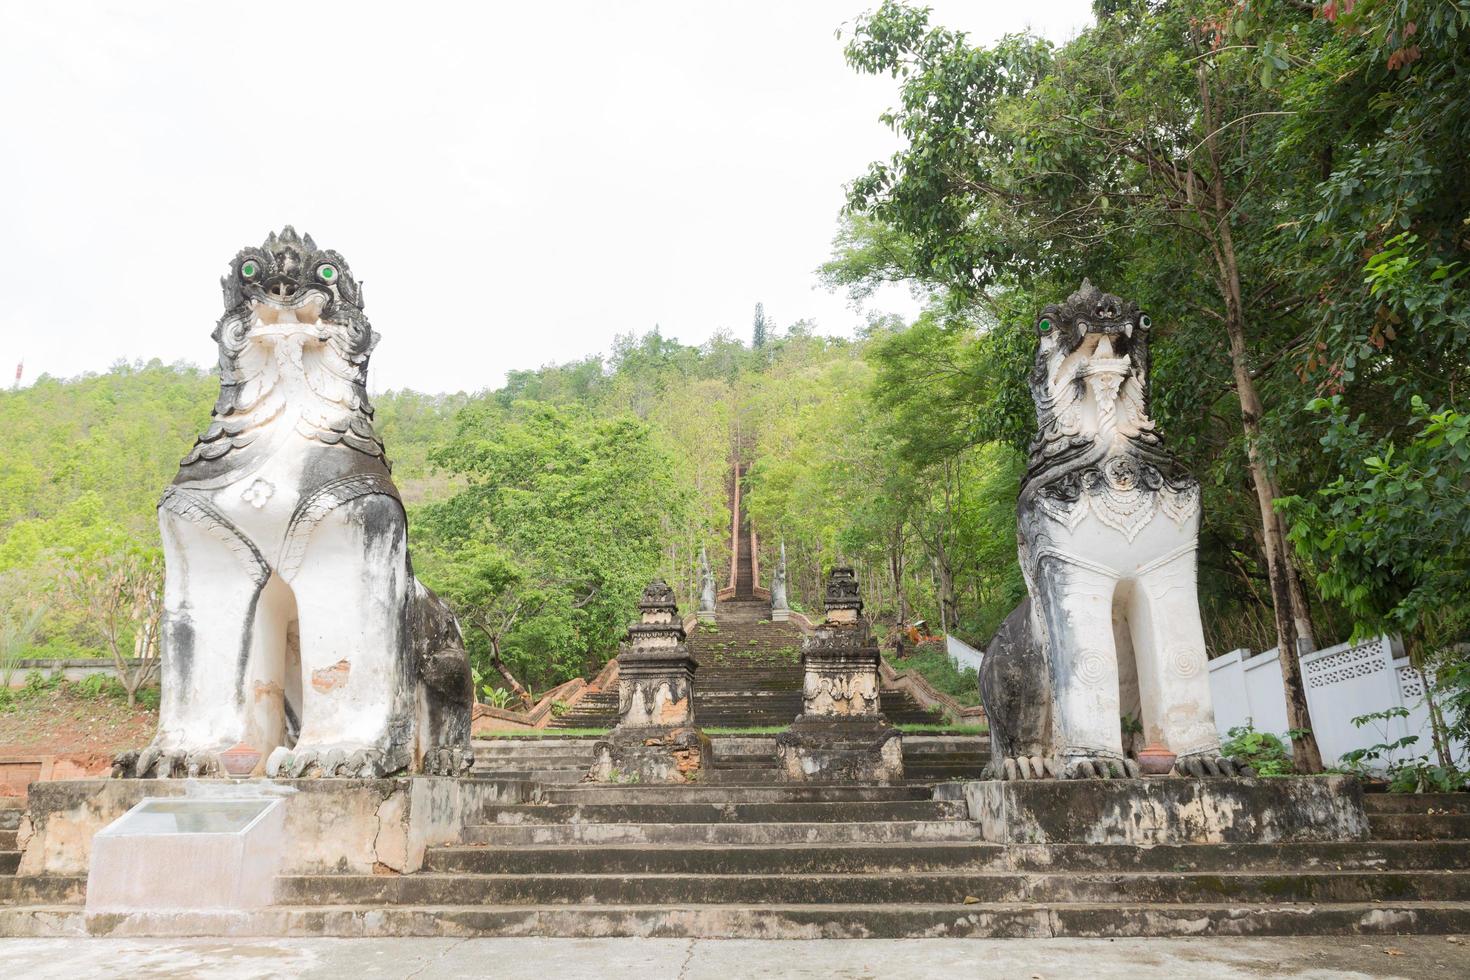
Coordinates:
x,y
1343,682
961,654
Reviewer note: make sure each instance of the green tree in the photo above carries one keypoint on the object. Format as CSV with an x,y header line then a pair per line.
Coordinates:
x,y
1391,539
1141,153
560,524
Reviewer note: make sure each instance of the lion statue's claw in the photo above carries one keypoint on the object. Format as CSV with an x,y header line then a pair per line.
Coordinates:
x,y
1095,767
1206,764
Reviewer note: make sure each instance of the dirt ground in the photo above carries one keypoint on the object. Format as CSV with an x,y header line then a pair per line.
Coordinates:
x,y
64,722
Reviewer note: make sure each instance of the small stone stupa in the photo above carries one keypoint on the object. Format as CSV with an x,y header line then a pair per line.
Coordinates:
x,y
655,739
841,733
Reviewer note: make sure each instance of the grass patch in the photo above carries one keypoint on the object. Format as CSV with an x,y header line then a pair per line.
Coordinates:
x,y
927,729
546,733
933,663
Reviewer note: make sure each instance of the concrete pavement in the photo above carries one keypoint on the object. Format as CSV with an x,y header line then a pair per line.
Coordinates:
x,y
1410,957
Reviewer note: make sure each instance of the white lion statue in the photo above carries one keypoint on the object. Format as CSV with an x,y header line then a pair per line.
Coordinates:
x,y
1107,523
293,624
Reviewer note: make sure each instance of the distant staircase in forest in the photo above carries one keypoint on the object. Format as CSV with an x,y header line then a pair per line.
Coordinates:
x,y
749,672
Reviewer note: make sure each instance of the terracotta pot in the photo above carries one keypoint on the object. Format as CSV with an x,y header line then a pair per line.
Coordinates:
x,y
1156,760
239,760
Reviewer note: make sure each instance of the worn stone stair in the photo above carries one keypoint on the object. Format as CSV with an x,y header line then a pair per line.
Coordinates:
x,y
548,760
763,859
805,861
10,810
596,709
1418,816
749,677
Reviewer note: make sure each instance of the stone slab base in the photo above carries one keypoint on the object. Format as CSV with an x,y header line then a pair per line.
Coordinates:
x,y
652,755
332,825
831,748
791,922
780,615
1164,810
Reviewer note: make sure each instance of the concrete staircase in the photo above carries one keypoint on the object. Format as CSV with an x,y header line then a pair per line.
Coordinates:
x,y
761,859
550,760
749,676
10,810
1419,816
774,861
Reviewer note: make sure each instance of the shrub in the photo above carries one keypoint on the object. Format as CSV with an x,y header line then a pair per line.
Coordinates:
x,y
1262,751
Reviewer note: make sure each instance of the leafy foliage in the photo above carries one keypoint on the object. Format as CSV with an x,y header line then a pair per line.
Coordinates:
x,y
1262,751
559,527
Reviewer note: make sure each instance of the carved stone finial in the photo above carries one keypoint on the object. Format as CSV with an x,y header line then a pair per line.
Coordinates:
x,y
843,602
657,599
658,619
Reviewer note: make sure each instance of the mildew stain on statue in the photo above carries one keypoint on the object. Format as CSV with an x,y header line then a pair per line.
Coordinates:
x,y
287,555
1107,524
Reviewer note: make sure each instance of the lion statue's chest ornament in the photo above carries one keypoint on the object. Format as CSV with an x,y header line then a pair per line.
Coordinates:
x,y
1107,527
293,624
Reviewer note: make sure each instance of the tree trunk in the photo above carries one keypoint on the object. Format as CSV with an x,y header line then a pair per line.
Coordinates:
x,y
1286,600
504,671
895,568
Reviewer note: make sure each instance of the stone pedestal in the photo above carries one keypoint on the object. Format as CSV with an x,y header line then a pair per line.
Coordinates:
x,y
655,739
841,734
652,754
332,826
780,615
827,748
1169,810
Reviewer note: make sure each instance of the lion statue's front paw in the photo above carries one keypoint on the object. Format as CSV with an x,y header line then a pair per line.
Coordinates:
x,y
304,762
1025,767
1206,764
158,762
1100,767
448,762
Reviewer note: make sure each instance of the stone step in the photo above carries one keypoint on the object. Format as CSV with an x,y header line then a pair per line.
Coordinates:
x,y
944,747
731,763
43,890
500,767
7,840
728,794
9,862
521,746
908,887
1437,803
861,858
10,817
663,812
979,920
1420,826
743,775
722,833
548,776
540,760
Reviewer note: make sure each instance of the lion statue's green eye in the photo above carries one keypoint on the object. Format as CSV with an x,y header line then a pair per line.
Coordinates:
x,y
327,272
1045,326
248,269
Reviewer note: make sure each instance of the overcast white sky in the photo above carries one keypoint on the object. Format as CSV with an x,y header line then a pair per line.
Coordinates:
x,y
515,184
